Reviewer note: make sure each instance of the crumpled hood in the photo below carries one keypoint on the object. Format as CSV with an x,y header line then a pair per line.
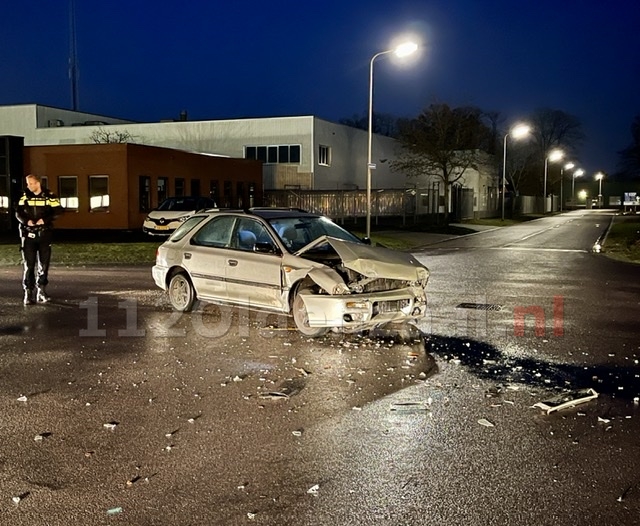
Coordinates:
x,y
373,262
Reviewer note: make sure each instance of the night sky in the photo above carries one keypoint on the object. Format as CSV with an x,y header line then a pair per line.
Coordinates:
x,y
149,60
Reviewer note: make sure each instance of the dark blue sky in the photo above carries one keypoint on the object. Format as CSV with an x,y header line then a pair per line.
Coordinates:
x,y
148,60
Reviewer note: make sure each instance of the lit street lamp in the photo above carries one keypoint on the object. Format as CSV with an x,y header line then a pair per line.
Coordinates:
x,y
578,173
517,132
400,51
568,166
599,178
553,156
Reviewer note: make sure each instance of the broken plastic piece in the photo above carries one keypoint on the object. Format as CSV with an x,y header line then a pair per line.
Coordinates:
x,y
22,398
484,422
567,400
274,395
114,511
313,489
408,407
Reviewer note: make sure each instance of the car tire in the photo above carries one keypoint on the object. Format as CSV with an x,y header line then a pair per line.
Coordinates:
x,y
301,318
182,295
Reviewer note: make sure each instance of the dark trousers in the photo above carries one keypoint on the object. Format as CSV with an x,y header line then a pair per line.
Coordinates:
x,y
36,249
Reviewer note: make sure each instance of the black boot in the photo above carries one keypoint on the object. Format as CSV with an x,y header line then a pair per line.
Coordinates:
x,y
43,297
29,298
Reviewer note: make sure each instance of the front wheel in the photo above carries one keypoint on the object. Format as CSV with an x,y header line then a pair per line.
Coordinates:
x,y
301,317
181,293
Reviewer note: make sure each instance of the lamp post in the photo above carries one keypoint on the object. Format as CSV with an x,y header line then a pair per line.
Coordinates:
x,y
568,166
578,173
554,155
517,132
599,178
402,50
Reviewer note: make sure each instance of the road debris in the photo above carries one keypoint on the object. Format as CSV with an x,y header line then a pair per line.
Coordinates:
x,y
297,433
484,422
132,481
274,395
41,436
110,425
21,398
408,407
16,500
313,490
567,400
114,511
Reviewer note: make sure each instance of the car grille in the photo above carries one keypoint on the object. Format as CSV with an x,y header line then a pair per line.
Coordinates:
x,y
390,306
380,285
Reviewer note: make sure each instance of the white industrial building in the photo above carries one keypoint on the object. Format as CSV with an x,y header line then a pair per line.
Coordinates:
x,y
298,153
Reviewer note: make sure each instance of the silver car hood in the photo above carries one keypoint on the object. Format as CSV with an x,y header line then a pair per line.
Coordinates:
x,y
371,261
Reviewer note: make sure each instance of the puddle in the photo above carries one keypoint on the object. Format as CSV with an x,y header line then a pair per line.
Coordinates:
x,y
488,362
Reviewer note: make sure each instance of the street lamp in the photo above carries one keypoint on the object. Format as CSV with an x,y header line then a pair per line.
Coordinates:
x,y
568,166
517,132
599,178
578,173
553,156
403,50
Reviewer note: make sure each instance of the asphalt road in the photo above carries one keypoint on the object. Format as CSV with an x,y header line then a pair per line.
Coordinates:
x,y
115,410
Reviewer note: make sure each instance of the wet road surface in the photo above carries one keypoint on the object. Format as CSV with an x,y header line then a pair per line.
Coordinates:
x,y
118,411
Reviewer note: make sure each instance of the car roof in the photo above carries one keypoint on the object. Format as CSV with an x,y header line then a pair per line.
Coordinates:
x,y
276,213
264,213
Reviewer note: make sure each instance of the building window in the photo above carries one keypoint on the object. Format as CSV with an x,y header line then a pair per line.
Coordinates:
x,y
240,194
179,187
274,154
163,183
214,191
195,187
144,189
226,195
44,182
99,193
68,191
324,155
4,192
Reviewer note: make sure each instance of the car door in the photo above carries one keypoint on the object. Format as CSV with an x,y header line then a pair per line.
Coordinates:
x,y
254,278
206,255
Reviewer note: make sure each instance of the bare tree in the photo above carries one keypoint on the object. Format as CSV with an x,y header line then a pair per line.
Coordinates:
x,y
102,136
629,162
442,143
552,129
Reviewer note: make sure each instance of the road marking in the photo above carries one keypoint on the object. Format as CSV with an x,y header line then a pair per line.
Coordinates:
x,y
542,249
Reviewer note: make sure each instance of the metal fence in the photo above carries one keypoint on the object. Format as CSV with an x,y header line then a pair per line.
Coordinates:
x,y
345,205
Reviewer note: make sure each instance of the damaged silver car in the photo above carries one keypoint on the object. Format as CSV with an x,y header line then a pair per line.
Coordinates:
x,y
293,262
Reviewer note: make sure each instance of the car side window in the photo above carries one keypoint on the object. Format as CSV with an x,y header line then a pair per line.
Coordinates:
x,y
248,233
216,233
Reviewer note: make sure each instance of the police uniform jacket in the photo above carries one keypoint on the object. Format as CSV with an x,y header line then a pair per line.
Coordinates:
x,y
45,206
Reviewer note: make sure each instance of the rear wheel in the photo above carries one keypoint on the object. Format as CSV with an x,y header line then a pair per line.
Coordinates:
x,y
181,292
301,317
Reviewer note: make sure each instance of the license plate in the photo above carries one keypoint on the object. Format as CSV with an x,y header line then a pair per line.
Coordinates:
x,y
162,227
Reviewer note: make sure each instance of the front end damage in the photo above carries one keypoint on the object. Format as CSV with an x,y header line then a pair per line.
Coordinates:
x,y
363,288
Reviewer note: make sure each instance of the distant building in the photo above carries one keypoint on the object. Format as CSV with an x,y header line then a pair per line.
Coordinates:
x,y
300,153
114,186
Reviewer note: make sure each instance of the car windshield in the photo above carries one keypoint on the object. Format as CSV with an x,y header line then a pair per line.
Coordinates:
x,y
296,232
182,204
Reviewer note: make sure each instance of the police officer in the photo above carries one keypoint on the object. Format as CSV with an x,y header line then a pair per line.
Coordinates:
x,y
36,211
